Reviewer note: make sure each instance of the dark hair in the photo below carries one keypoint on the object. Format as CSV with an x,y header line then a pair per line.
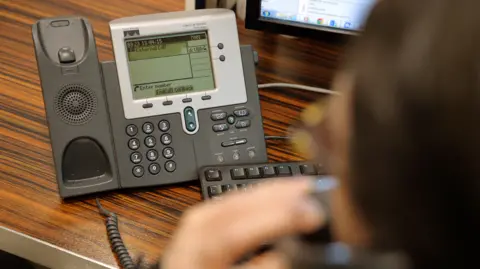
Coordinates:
x,y
415,141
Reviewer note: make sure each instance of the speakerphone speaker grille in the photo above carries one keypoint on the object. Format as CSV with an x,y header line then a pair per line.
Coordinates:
x,y
75,104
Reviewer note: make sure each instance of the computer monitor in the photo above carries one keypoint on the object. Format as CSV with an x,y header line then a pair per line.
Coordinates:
x,y
308,17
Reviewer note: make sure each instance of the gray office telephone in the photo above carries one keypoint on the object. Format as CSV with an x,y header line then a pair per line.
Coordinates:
x,y
181,94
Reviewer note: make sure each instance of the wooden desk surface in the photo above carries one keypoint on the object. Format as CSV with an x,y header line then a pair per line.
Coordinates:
x,y
29,202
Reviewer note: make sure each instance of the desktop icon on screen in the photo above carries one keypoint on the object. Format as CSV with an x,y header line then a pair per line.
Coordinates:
x,y
348,25
320,21
266,13
333,23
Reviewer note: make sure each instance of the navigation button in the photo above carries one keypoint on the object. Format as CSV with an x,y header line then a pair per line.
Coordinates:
x,y
231,119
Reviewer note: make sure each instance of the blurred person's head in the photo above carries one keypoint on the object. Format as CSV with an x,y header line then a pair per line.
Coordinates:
x,y
403,138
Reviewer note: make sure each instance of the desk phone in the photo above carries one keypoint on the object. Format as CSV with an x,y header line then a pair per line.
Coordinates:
x,y
181,94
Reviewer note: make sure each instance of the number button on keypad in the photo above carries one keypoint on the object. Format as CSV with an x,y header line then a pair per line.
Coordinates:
x,y
132,130
170,166
133,144
154,168
147,128
150,141
136,157
152,155
168,153
138,171
164,125
166,139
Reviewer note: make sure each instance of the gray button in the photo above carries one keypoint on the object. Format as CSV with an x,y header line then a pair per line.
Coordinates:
x,y
220,159
206,97
222,58
228,143
147,127
236,156
251,153
132,130
167,103
220,46
164,125
150,141
138,171
170,166
231,119
154,168
220,127
166,139
241,141
136,157
242,124
187,100
218,116
133,144
168,153
152,155
147,105
241,112
66,55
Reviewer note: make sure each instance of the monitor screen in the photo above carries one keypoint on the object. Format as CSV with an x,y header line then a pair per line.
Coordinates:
x,y
336,14
169,64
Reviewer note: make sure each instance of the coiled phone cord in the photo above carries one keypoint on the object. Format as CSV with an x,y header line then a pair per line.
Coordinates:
x,y
116,242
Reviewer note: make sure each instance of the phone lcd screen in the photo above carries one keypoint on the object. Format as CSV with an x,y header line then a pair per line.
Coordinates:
x,y
170,65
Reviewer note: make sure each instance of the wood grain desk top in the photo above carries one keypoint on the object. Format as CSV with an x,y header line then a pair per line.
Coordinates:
x,y
29,202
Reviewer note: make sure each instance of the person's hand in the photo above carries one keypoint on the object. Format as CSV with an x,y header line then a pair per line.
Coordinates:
x,y
214,235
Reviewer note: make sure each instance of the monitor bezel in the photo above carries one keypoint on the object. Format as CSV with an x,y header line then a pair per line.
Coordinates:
x,y
253,21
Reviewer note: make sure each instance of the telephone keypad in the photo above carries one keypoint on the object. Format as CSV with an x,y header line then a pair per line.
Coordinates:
x,y
152,155
132,130
147,128
150,141
133,144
